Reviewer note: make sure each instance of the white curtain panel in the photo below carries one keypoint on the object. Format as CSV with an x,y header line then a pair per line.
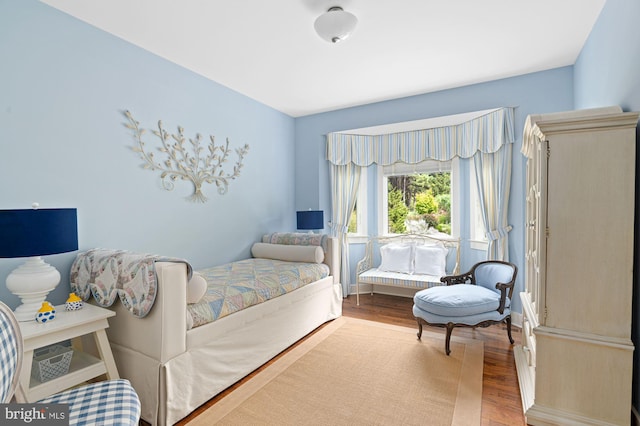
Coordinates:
x,y
345,180
493,177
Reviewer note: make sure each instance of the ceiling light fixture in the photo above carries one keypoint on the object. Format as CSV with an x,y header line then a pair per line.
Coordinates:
x,y
335,24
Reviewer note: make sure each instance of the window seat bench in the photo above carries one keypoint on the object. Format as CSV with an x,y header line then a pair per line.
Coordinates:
x,y
415,261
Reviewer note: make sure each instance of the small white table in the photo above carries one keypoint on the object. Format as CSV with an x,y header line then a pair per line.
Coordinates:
x,y
68,325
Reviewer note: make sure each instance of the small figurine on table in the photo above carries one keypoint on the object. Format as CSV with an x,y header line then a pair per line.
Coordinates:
x,y
46,313
74,303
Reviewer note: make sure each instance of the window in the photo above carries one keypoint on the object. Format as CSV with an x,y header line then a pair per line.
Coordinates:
x,y
404,181
417,196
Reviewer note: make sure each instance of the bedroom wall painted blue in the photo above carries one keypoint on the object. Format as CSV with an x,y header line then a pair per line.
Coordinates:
x,y
63,85
607,72
540,92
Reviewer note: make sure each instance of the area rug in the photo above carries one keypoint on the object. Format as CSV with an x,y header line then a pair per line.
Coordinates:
x,y
357,372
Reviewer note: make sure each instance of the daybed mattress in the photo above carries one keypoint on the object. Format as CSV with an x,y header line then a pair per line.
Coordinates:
x,y
238,285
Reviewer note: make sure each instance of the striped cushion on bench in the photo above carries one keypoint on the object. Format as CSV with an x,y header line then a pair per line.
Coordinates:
x,y
398,279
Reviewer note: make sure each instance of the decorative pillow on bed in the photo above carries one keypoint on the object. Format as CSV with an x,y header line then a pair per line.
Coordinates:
x,y
296,239
196,288
289,253
430,260
397,258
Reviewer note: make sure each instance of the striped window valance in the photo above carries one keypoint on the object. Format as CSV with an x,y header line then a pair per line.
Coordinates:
x,y
486,133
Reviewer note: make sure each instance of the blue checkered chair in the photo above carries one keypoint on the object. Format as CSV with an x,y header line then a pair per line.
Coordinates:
x,y
10,354
477,298
112,402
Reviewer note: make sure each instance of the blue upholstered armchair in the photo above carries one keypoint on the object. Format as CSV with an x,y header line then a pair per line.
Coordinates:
x,y
110,402
478,298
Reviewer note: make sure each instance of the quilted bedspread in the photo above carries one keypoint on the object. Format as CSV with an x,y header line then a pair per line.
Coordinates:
x,y
238,285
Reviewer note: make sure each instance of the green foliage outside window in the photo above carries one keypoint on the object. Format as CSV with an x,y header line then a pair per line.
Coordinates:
x,y
444,203
397,211
421,197
353,221
426,203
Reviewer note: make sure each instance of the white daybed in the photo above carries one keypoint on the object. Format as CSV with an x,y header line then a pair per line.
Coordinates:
x,y
415,261
175,370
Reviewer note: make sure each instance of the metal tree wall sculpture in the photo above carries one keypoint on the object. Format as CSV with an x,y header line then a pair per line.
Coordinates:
x,y
187,164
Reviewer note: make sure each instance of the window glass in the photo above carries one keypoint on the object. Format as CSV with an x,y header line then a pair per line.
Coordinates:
x,y
417,197
358,220
353,221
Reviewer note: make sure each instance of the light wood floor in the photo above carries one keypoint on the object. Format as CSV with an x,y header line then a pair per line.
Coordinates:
x,y
500,393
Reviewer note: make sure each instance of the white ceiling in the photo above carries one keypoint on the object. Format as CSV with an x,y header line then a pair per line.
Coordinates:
x,y
268,50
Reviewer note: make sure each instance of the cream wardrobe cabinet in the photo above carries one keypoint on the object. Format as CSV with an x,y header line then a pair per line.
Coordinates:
x,y
576,358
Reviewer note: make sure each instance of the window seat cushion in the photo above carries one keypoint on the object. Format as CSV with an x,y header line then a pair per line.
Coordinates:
x,y
398,279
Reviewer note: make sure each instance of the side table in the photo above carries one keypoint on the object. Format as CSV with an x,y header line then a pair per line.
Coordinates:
x,y
68,325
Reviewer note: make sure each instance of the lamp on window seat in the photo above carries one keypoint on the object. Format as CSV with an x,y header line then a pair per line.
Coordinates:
x,y
32,233
310,220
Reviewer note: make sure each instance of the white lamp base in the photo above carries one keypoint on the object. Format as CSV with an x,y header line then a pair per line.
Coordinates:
x,y
31,282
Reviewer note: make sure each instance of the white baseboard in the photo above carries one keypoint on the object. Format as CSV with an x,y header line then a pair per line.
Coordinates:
x,y
516,319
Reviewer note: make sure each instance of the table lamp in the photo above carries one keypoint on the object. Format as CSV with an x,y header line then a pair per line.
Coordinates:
x,y
310,219
32,233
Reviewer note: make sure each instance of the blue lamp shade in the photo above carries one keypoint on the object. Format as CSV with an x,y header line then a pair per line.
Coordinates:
x,y
38,232
310,219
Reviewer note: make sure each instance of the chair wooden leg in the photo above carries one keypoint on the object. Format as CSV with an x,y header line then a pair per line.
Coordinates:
x,y
419,328
508,319
449,330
